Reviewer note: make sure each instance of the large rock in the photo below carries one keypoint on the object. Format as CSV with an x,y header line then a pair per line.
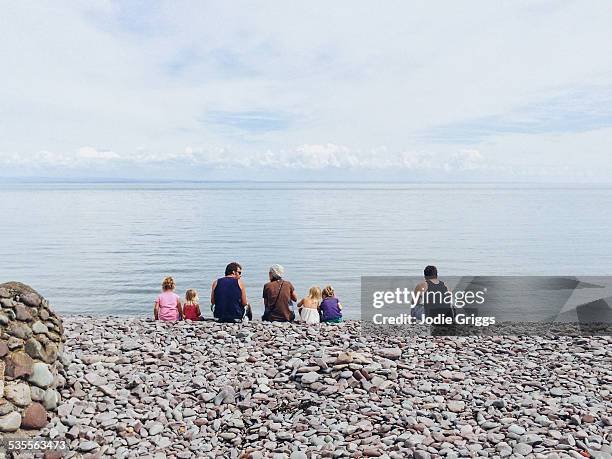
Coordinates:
x,y
31,337
19,330
38,327
18,393
22,313
3,349
34,417
10,422
41,375
34,349
18,365
31,298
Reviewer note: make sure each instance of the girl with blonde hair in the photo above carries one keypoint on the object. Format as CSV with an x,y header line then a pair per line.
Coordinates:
x,y
168,304
191,308
308,306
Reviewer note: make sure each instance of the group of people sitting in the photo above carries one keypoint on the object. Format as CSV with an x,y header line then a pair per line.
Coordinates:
x,y
229,301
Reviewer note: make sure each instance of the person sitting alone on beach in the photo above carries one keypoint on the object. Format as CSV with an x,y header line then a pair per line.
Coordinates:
x,y
434,294
331,308
191,309
168,304
278,295
228,298
308,306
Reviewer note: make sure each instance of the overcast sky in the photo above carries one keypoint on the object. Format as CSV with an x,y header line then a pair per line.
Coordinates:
x,y
504,90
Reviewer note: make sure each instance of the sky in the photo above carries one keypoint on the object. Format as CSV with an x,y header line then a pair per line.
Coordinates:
x,y
345,90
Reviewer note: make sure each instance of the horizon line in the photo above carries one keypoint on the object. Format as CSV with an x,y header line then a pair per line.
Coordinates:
x,y
125,181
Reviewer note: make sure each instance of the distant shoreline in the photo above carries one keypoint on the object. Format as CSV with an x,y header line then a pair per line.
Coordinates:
x,y
161,181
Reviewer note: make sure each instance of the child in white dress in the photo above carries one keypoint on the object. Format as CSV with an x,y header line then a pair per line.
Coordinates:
x,y
308,306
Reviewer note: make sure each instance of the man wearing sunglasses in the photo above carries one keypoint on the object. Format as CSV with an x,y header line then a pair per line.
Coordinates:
x,y
228,297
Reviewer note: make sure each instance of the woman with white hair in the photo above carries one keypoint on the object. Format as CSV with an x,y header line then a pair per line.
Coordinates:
x,y
278,295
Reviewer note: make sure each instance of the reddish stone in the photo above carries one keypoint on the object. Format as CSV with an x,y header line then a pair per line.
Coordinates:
x,y
3,349
30,298
34,417
18,364
22,313
588,418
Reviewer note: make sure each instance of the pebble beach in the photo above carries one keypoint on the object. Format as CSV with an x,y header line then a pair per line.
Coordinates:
x,y
139,388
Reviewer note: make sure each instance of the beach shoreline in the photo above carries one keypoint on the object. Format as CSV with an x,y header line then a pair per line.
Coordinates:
x,y
145,388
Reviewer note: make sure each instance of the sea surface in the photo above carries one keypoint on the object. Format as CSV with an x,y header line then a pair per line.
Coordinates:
x,y
104,248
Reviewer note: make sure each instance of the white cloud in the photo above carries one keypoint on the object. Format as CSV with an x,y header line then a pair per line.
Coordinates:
x,y
92,153
329,88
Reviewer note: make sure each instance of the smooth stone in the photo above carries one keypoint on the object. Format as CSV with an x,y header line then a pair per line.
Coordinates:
x,y
87,446
129,345
19,330
455,406
310,377
156,428
4,349
30,299
22,313
18,365
95,379
51,399
41,375
522,448
344,358
557,392
391,353
34,349
39,328
34,417
18,393
10,422
516,429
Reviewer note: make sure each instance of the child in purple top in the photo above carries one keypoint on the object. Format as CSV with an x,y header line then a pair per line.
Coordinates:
x,y
331,308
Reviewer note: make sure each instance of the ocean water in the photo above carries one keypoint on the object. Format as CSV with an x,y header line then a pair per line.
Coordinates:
x,y
104,248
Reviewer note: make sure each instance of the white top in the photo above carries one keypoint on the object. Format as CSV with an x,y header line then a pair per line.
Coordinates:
x,y
309,316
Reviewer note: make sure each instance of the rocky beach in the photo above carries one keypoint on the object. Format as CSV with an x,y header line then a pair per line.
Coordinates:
x,y
139,388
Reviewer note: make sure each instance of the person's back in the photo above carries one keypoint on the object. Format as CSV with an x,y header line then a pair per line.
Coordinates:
x,y
228,299
168,305
191,308
278,296
331,309
435,300
309,306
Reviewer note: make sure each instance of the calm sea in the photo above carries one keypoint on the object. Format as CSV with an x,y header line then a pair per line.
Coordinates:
x,y
104,248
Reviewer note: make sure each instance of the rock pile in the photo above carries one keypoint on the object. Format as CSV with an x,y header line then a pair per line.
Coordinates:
x,y
139,388
30,342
